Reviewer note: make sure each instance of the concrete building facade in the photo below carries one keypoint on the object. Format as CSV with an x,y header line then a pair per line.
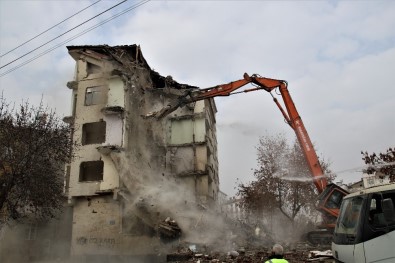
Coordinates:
x,y
132,171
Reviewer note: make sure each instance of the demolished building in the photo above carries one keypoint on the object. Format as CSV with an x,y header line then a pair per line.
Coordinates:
x,y
135,176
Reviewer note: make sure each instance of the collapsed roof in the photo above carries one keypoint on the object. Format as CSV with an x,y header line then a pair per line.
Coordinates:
x,y
129,56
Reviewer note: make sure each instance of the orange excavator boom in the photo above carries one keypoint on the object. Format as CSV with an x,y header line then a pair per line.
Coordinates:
x,y
330,195
291,115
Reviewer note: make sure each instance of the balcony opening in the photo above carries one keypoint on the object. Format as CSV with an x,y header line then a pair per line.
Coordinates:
x,y
91,171
94,132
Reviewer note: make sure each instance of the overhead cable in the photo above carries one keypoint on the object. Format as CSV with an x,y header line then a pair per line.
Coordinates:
x,y
45,31
74,37
63,34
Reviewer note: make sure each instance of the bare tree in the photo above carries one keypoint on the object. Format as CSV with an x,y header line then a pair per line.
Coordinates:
x,y
34,146
283,180
382,162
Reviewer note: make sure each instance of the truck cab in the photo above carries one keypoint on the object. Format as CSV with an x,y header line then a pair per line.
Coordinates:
x,y
365,228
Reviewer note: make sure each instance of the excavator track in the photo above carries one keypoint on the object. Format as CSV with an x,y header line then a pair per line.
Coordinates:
x,y
320,237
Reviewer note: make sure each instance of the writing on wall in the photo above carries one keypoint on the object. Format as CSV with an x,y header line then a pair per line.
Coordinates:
x,y
101,242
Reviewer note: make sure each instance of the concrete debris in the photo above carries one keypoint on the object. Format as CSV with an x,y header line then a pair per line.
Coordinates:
x,y
181,255
316,255
252,255
169,229
107,149
233,254
113,110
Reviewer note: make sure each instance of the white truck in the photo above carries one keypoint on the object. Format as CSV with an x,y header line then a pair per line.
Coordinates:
x,y
365,228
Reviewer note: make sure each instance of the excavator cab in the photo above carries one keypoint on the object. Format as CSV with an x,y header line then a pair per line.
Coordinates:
x,y
330,199
328,203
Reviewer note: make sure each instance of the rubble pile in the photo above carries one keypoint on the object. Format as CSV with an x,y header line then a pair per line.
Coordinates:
x,y
252,255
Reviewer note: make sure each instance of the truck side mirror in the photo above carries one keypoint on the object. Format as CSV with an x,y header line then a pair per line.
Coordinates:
x,y
388,210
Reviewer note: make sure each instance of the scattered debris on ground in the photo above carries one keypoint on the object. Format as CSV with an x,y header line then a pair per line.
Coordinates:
x,y
316,255
202,254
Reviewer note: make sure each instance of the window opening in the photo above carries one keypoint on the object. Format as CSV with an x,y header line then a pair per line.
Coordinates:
x,y
94,95
378,203
335,199
94,132
389,210
91,171
92,68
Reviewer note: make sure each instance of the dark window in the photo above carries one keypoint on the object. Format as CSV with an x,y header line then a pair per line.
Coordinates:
x,y
380,215
378,204
335,200
94,95
389,210
91,171
92,68
94,132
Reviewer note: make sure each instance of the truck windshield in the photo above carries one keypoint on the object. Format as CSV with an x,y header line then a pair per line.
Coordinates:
x,y
348,220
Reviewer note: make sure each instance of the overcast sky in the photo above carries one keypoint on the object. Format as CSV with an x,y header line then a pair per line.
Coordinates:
x,y
337,56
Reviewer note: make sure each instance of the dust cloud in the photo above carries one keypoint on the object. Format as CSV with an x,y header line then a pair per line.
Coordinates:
x,y
155,196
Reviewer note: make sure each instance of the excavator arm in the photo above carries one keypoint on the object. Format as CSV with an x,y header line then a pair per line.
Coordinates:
x,y
294,120
202,94
291,115
331,195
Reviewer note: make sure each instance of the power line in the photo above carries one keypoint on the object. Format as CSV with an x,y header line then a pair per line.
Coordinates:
x,y
74,37
62,34
45,31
